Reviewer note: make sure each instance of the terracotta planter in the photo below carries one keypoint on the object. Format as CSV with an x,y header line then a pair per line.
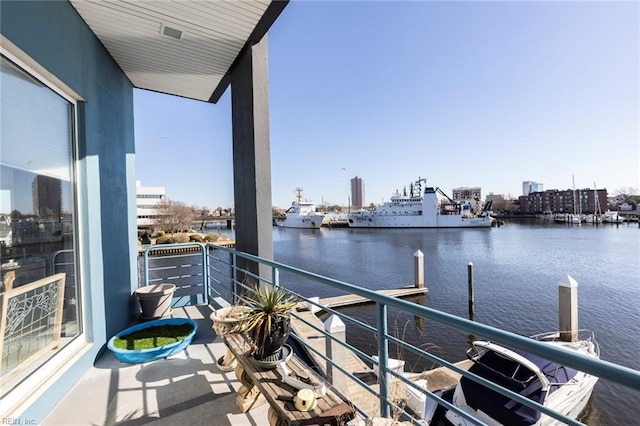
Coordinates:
x,y
155,300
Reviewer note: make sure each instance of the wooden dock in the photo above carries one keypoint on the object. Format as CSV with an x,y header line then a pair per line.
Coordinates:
x,y
353,299
305,324
316,339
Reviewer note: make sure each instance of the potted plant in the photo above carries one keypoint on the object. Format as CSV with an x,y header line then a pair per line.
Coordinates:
x,y
267,321
228,320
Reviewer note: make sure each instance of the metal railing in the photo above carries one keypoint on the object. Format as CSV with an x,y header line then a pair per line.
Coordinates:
x,y
224,279
182,264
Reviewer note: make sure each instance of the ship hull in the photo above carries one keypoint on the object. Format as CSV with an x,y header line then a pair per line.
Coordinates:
x,y
398,221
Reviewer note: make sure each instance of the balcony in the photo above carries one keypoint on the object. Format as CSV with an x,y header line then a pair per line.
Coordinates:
x,y
188,387
183,389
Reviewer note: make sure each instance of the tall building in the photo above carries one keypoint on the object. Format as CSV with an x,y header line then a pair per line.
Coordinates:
x,y
529,187
147,200
47,197
357,192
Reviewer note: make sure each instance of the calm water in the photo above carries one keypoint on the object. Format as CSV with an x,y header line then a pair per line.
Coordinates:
x,y
516,271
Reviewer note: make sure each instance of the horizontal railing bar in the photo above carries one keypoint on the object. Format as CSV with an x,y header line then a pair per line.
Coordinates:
x,y
603,369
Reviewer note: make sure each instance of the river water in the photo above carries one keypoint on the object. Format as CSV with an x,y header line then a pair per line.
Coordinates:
x,y
516,272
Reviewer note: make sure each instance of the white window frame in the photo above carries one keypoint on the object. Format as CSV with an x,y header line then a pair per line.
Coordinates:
x,y
37,383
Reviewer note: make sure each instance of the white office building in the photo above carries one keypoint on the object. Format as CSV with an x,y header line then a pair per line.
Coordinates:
x,y
147,200
529,187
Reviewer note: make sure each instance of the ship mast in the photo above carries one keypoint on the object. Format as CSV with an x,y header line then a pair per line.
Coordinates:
x,y
299,194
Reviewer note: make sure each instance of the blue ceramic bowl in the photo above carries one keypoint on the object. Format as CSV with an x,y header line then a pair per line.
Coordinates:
x,y
145,355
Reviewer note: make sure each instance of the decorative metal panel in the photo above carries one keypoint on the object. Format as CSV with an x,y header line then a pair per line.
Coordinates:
x,y
30,321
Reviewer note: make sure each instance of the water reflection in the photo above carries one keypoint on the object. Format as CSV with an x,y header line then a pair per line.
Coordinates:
x,y
516,271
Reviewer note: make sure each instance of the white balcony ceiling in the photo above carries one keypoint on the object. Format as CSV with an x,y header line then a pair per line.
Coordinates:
x,y
213,32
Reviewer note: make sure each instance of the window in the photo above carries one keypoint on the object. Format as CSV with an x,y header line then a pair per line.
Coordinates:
x,y
39,289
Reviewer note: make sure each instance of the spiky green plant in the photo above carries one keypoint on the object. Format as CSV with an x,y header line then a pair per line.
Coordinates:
x,y
266,307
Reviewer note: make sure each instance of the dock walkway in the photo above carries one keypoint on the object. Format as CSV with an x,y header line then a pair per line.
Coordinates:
x,y
353,299
306,325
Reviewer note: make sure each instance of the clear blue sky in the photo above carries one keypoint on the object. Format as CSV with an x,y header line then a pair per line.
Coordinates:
x,y
482,94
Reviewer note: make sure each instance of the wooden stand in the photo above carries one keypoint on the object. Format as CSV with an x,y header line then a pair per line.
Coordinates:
x,y
249,395
259,385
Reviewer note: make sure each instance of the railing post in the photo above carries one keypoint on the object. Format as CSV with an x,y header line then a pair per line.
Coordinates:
x,y
335,351
418,269
205,272
275,277
383,359
146,266
234,276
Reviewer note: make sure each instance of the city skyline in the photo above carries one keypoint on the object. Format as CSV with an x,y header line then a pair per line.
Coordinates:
x,y
463,94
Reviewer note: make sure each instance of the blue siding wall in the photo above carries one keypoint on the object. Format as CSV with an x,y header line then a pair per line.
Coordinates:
x,y
54,35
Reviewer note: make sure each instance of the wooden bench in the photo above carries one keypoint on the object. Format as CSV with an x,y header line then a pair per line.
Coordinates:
x,y
260,385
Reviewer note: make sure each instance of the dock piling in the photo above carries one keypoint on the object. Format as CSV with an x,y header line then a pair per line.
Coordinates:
x,y
335,351
418,269
568,309
471,301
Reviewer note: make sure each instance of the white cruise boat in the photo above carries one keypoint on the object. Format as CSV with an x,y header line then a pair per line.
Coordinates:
x,y
555,386
419,210
301,214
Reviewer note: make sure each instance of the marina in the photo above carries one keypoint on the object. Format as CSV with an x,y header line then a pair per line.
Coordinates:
x,y
516,267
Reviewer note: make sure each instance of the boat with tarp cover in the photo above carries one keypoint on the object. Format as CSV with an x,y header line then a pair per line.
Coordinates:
x,y
558,387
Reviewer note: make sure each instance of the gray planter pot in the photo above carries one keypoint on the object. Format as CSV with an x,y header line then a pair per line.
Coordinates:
x,y
155,300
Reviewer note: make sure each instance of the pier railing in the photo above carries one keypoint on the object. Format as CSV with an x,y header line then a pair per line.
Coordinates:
x,y
225,280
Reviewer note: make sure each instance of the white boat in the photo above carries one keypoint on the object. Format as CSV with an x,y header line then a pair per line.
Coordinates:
x,y
416,209
560,388
574,219
570,218
612,217
301,214
593,218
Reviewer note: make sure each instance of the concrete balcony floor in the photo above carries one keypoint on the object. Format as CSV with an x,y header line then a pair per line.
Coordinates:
x,y
186,388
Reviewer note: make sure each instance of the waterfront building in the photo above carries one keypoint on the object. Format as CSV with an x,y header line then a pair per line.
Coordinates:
x,y
564,201
467,195
68,149
529,186
494,198
357,192
147,200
